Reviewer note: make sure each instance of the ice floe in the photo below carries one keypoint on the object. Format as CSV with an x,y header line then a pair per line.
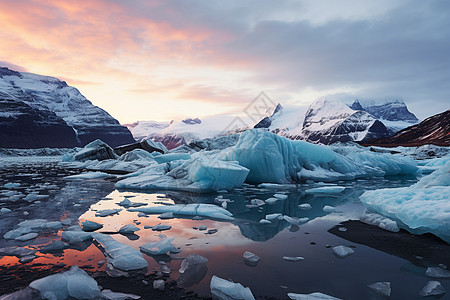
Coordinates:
x,y
204,210
343,251
163,246
432,288
381,288
312,296
222,289
422,207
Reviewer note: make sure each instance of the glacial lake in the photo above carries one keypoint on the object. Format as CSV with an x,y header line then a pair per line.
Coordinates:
x,y
399,258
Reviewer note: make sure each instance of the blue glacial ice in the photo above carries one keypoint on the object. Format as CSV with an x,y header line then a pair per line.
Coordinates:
x,y
226,290
201,209
420,208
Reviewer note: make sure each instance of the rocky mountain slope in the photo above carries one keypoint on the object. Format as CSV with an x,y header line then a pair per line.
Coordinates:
x,y
41,111
433,130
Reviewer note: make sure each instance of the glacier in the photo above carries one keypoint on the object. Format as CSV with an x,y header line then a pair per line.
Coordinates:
x,y
423,207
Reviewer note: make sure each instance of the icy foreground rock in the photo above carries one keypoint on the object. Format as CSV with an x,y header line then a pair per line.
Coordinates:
x,y
274,159
203,210
121,256
222,289
74,283
312,296
420,208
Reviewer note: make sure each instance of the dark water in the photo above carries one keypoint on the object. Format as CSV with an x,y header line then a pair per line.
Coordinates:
x,y
380,256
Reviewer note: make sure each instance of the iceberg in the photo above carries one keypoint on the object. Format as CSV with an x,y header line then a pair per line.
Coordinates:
x,y
121,256
343,251
432,288
275,159
312,296
202,209
381,288
250,258
129,229
326,190
193,269
222,289
163,246
420,208
74,283
91,175
380,221
90,226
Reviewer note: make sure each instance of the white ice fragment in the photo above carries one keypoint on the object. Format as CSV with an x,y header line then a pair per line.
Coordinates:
x,y
273,216
295,221
328,209
163,246
127,203
257,202
271,200
107,212
192,262
202,209
142,215
161,227
129,229
380,221
11,185
326,190
91,175
75,237
121,256
280,196
343,251
164,268
33,197
5,210
264,221
90,226
312,296
27,237
381,288
432,288
304,206
222,289
293,258
74,283
110,295
251,258
166,215
158,284
437,272
27,259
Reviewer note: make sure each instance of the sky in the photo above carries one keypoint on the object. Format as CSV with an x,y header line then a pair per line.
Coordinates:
x,y
164,60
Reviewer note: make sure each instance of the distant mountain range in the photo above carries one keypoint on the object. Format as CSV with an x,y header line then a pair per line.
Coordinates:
x,y
433,130
40,111
327,120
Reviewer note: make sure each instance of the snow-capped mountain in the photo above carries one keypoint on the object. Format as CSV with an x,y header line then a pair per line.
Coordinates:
x,y
146,129
433,130
58,115
329,120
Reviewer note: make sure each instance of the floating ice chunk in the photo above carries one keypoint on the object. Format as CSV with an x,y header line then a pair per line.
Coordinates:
x,y
222,289
280,196
432,288
257,202
161,227
274,216
31,226
202,227
76,237
163,246
110,295
128,229
121,256
27,237
343,251
158,284
304,206
295,221
91,175
16,251
204,210
293,258
54,246
74,283
33,197
193,269
11,185
380,221
437,272
271,200
191,262
264,221
312,296
107,212
381,288
276,186
166,215
328,209
90,225
27,259
422,207
251,258
327,190
127,203
5,210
